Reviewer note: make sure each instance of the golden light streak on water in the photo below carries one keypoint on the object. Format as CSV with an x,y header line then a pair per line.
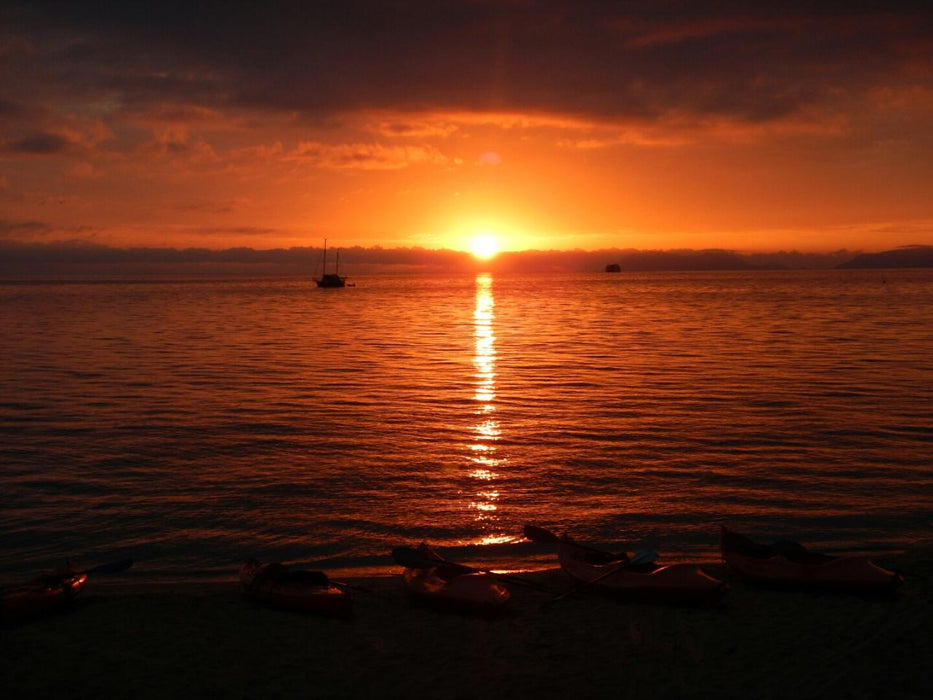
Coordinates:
x,y
498,539
487,430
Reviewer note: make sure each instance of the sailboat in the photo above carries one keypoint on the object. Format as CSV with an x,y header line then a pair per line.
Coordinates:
x,y
331,279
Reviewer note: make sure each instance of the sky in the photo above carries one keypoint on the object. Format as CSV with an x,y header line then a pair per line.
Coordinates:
x,y
539,124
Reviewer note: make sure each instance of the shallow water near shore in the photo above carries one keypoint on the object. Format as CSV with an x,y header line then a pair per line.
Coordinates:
x,y
192,423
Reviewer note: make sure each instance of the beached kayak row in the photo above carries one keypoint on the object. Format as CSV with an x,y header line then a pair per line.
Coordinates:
x,y
431,580
131,637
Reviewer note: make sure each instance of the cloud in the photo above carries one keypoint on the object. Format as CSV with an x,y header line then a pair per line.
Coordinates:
x,y
634,60
364,156
177,146
39,144
51,137
83,171
175,113
24,230
400,126
213,206
9,108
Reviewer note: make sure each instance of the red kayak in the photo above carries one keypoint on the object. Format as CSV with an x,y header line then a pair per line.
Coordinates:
x,y
294,589
444,584
671,583
789,564
39,596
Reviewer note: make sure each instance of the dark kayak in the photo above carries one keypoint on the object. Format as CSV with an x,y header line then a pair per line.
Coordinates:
x,y
45,594
294,589
630,577
670,583
443,584
789,564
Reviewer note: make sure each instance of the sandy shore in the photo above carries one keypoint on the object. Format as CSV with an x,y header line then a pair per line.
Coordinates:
x,y
208,641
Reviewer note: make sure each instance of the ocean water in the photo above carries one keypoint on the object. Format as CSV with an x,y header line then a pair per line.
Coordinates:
x,y
195,422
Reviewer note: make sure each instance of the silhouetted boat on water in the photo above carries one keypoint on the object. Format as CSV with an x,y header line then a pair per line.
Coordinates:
x,y
331,279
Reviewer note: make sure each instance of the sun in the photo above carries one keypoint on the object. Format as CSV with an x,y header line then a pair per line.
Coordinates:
x,y
485,246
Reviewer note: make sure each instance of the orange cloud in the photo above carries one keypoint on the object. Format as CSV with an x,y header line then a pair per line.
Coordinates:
x,y
365,156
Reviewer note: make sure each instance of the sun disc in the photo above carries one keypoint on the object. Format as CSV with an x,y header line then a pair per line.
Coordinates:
x,y
485,246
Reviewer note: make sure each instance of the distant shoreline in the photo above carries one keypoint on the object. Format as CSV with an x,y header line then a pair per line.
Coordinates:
x,y
20,260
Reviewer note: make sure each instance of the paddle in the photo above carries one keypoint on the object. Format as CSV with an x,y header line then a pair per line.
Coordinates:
x,y
643,556
539,534
112,567
584,584
413,558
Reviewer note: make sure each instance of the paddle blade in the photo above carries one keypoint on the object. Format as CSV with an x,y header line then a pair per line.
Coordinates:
x,y
644,556
539,534
111,567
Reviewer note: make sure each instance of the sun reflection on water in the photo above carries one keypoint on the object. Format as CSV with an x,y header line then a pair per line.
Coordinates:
x,y
486,431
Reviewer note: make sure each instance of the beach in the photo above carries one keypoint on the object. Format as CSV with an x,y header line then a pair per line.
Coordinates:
x,y
125,639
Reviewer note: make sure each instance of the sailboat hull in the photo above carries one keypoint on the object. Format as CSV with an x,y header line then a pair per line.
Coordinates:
x,y
332,280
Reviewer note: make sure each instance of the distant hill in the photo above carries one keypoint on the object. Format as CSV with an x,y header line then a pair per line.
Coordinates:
x,y
531,261
83,258
682,261
908,256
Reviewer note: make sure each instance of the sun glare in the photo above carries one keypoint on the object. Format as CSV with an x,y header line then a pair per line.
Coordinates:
x,y
485,246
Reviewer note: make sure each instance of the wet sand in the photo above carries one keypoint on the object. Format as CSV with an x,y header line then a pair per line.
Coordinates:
x,y
125,641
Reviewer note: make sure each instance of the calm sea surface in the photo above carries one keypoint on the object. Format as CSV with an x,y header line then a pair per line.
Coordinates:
x,y
193,423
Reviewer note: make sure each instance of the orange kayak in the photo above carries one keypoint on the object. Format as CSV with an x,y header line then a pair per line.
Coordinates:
x,y
672,583
454,587
788,564
39,596
294,589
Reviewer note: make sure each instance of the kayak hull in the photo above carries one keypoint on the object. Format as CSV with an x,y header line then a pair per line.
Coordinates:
x,y
446,588
673,583
41,596
807,570
301,591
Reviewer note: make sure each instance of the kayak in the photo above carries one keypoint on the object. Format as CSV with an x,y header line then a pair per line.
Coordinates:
x,y
452,586
789,564
45,594
294,589
671,583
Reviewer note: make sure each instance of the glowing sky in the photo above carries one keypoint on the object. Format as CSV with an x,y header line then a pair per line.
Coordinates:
x,y
549,125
